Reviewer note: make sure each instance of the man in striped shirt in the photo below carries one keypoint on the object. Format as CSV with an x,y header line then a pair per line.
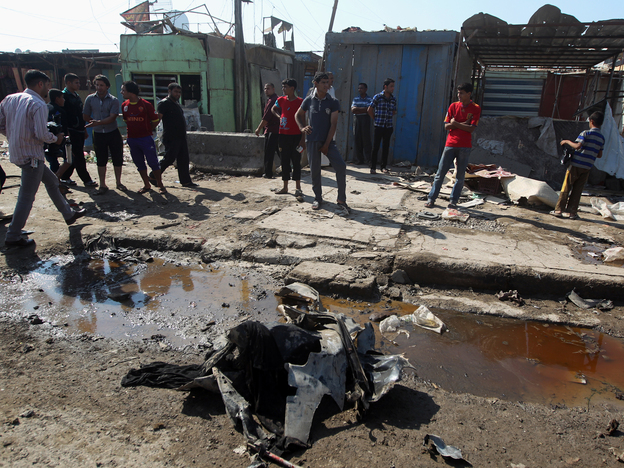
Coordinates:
x,y
23,119
588,146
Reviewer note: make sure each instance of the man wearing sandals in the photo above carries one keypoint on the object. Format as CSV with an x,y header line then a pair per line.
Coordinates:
x,y
588,146
141,119
461,120
291,140
100,112
320,133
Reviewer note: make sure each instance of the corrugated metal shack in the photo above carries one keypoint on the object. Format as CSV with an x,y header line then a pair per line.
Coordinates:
x,y
421,63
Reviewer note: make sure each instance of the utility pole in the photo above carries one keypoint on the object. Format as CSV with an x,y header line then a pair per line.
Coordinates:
x,y
240,68
331,26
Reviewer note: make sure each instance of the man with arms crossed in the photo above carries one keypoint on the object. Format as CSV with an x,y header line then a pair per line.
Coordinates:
x,y
100,111
24,119
174,135
461,120
323,111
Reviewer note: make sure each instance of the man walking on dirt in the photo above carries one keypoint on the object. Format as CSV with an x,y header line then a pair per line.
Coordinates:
x,y
23,119
174,135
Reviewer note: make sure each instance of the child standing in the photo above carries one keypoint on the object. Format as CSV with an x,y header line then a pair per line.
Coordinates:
x,y
588,146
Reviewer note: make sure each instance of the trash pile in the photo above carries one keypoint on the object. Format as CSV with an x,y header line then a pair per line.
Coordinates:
x,y
279,372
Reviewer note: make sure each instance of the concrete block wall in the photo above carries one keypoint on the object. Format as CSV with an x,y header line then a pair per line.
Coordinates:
x,y
229,153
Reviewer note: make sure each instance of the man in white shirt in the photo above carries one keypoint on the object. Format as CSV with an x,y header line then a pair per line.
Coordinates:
x,y
23,119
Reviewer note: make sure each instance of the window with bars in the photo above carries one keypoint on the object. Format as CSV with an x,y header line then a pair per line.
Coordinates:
x,y
154,86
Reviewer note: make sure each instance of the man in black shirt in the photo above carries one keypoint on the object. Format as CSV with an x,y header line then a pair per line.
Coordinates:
x,y
77,134
174,135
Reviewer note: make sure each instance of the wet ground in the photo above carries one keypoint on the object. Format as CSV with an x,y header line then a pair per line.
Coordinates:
x,y
186,304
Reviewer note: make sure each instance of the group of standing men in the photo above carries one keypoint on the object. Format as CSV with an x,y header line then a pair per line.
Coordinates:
x,y
294,124
24,120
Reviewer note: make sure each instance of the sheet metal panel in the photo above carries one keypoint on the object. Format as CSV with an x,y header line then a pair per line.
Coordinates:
x,y
432,135
410,95
512,96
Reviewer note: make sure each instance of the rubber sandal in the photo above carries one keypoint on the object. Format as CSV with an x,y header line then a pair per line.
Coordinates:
x,y
122,187
162,190
101,191
556,214
573,216
428,215
144,190
429,204
281,192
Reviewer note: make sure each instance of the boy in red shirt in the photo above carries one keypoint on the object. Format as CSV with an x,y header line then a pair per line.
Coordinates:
x,y
290,137
461,120
141,119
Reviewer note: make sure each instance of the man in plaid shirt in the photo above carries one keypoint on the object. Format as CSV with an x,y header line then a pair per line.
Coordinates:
x,y
382,110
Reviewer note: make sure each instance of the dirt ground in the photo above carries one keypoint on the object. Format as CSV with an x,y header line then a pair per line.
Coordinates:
x,y
62,403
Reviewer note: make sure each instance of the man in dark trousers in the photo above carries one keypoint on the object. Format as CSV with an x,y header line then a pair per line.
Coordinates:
x,y
362,125
77,133
382,109
174,135
270,123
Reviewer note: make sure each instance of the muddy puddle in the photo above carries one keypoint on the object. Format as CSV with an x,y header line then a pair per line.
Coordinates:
x,y
186,304
506,358
176,304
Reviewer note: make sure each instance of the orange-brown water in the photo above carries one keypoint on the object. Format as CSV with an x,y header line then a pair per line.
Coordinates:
x,y
482,355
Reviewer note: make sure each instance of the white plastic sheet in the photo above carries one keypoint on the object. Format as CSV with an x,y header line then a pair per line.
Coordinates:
x,y
535,191
612,161
615,211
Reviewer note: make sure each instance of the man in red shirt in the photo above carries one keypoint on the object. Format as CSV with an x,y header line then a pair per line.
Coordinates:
x,y
141,119
291,140
461,120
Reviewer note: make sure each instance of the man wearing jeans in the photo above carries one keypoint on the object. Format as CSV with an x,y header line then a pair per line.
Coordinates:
x,y
323,110
23,119
461,120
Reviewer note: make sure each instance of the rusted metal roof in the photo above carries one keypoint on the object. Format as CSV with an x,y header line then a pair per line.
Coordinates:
x,y
573,45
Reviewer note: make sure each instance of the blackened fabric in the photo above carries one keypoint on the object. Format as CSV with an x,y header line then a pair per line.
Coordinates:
x,y
267,379
2,178
162,375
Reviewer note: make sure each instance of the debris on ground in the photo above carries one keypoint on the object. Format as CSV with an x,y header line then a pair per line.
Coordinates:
x,y
451,214
613,255
601,304
519,189
422,318
512,296
614,211
434,443
612,429
258,367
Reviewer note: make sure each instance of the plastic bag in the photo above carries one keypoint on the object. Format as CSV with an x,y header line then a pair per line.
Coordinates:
x,y
615,211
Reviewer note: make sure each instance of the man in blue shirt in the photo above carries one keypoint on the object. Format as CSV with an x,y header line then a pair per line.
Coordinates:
x,y
588,146
382,109
320,132
362,125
